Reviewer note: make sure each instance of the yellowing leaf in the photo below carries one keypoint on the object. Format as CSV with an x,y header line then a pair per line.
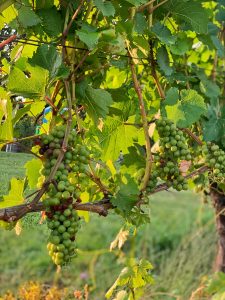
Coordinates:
x,y
120,239
15,195
6,130
18,228
33,171
111,167
85,214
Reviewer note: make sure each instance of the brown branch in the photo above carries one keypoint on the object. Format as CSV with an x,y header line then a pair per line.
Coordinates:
x,y
164,186
156,6
22,139
192,135
65,32
149,159
154,73
14,213
82,61
97,180
144,6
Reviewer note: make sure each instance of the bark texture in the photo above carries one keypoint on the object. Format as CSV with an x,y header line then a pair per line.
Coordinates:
x,y
218,200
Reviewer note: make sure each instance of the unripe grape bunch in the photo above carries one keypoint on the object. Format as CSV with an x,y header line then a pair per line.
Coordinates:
x,y
215,159
64,190
173,149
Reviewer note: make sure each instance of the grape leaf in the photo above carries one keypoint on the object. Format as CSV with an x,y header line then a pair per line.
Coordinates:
x,y
192,13
214,126
163,61
20,113
116,137
172,96
7,15
188,109
32,171
88,35
140,23
127,195
163,34
28,86
15,195
52,23
105,7
50,59
27,17
133,161
182,45
96,101
6,128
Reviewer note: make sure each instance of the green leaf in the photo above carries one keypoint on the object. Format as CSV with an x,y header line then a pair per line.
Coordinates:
x,y
114,78
116,137
52,22
28,83
163,61
188,110
172,96
32,171
214,127
133,161
44,4
182,45
49,58
106,7
140,23
20,113
15,195
89,36
163,34
192,13
27,17
209,88
218,45
127,195
96,101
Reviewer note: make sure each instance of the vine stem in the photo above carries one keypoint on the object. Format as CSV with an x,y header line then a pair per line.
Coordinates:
x,y
144,6
65,32
66,136
148,166
193,136
93,176
154,73
14,213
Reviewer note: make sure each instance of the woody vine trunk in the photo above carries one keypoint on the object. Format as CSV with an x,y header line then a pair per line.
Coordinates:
x,y
218,200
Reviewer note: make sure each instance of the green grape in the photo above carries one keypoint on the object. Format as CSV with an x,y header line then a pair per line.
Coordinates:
x,y
62,219
173,149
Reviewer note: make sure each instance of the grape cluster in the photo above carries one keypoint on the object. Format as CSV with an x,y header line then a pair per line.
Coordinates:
x,y
65,189
173,148
215,158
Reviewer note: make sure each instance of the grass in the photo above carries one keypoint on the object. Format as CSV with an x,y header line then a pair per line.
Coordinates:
x,y
179,259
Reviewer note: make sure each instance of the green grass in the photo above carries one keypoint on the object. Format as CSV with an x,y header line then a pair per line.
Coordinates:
x,y
174,216
11,165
